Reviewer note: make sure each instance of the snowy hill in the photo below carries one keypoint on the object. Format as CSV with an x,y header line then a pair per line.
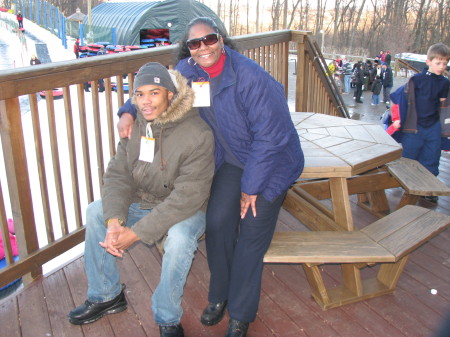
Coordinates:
x,y
39,41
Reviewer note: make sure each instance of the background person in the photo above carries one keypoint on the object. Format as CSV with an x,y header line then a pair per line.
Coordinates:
x,y
376,90
76,48
416,111
387,79
388,58
359,82
348,71
101,81
34,60
19,18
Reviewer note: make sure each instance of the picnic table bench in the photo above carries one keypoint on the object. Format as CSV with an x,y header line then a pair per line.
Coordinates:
x,y
410,175
415,180
388,241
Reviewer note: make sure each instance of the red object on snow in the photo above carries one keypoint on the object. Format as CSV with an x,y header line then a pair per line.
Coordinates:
x,y
57,93
133,47
11,226
12,239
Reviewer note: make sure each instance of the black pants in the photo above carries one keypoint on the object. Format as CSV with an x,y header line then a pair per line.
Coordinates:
x,y
235,247
358,92
101,85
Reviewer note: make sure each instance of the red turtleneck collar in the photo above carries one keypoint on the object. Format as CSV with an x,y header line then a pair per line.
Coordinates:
x,y
216,69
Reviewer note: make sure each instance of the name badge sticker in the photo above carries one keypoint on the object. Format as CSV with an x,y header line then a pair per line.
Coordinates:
x,y
202,94
147,150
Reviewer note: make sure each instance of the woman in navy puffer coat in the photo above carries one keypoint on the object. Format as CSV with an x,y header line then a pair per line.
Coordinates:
x,y
258,157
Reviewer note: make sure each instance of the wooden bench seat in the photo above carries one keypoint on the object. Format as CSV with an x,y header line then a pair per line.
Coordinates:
x,y
416,180
325,247
388,241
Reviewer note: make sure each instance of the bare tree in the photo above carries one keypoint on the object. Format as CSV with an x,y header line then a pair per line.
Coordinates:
x,y
293,14
257,16
248,16
230,18
276,13
352,26
356,23
219,7
285,14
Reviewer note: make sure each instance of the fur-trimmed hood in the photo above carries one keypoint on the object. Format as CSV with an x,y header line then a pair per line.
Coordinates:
x,y
180,105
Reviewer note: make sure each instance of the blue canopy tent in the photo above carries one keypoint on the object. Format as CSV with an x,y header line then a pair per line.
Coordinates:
x,y
131,20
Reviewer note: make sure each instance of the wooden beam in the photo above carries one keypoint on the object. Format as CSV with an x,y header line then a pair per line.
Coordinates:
x,y
13,145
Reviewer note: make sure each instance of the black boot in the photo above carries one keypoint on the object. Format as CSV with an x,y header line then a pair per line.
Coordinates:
x,y
213,313
89,312
237,328
171,330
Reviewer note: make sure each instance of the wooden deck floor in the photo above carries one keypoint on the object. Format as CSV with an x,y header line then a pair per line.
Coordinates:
x,y
286,308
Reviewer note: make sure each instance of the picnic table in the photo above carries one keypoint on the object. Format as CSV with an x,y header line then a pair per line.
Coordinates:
x,y
344,157
336,149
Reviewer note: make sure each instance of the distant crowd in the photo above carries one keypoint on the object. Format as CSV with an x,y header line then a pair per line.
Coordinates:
x,y
376,76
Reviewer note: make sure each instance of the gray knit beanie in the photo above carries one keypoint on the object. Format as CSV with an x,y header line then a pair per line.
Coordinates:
x,y
156,74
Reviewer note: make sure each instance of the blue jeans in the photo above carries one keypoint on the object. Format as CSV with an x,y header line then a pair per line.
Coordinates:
x,y
103,274
376,99
347,79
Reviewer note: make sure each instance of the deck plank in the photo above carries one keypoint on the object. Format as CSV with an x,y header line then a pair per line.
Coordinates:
x,y
9,317
59,302
140,283
34,315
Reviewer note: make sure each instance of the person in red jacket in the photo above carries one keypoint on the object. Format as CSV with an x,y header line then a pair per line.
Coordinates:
x,y
20,19
76,48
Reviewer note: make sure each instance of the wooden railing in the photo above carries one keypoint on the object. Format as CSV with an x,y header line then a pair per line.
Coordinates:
x,y
55,152
402,64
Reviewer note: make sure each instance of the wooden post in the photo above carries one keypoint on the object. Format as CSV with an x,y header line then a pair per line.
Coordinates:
x,y
18,181
300,95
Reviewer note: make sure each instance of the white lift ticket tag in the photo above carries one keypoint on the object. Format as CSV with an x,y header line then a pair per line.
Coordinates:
x,y
202,94
147,151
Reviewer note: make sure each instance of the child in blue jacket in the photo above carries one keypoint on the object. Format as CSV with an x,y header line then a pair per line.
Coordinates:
x,y
415,112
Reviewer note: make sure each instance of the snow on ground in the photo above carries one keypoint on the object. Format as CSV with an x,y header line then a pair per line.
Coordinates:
x,y
19,55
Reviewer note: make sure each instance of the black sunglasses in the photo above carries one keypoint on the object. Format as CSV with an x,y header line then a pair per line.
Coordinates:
x,y
208,40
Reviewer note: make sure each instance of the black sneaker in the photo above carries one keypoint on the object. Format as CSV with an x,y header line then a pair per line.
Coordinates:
x,y
89,312
171,330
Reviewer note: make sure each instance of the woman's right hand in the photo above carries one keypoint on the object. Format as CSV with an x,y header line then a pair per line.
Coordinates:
x,y
125,125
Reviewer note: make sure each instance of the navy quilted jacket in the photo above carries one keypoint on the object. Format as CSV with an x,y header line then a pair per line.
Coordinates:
x,y
254,120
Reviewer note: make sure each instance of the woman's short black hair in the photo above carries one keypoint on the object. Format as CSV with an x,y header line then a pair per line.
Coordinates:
x,y
184,50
